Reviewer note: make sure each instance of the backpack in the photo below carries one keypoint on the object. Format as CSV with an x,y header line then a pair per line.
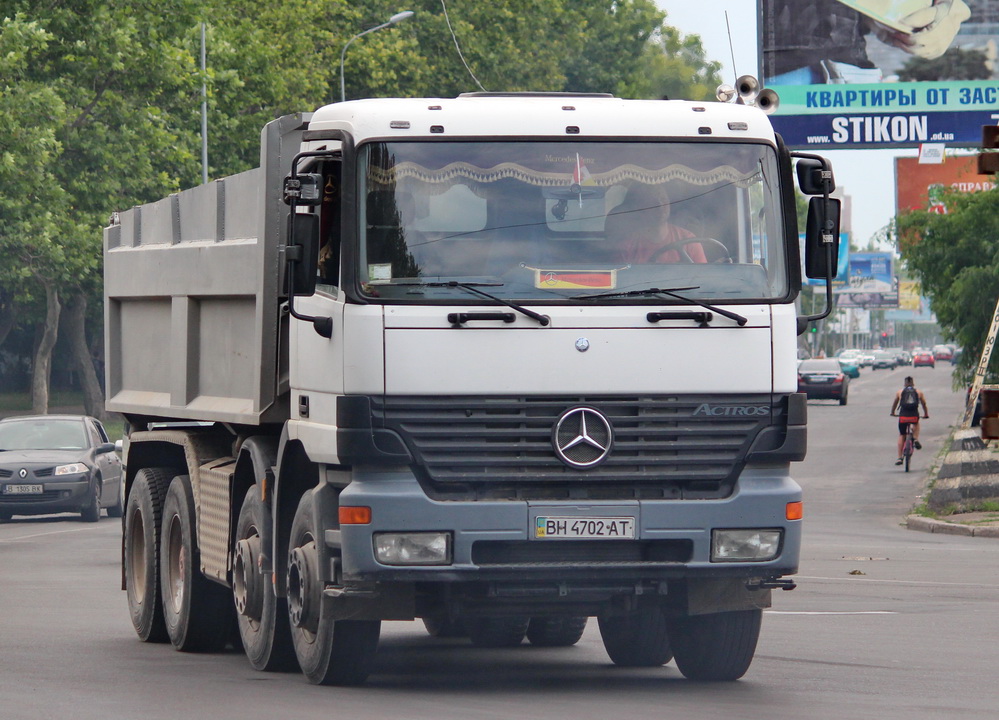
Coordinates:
x,y
908,404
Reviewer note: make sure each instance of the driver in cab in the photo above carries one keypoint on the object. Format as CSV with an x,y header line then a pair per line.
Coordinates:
x,y
644,233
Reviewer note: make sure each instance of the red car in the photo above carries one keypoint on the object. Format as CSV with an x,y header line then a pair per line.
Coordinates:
x,y
923,358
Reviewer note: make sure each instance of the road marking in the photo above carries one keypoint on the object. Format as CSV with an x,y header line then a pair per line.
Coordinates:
x,y
936,583
38,535
830,612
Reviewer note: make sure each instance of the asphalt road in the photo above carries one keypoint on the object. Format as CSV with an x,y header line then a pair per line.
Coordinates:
x,y
886,622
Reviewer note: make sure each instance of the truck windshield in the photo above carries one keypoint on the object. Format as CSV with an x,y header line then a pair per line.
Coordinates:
x,y
550,221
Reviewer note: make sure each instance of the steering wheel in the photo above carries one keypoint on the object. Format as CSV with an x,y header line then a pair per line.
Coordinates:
x,y
680,247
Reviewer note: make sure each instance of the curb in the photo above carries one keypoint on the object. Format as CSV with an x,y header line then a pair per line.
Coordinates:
x,y
925,524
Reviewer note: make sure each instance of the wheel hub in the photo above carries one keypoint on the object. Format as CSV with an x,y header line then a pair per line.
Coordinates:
x,y
247,590
303,589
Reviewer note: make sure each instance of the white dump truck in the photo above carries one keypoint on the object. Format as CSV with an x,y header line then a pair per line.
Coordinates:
x,y
502,363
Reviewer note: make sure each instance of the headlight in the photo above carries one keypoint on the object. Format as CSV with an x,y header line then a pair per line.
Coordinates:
x,y
416,548
74,469
744,545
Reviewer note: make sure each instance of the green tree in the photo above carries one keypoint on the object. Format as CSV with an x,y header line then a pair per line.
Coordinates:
x,y
97,92
955,256
955,64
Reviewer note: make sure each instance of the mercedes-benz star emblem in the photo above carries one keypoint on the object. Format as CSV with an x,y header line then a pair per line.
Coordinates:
x,y
582,437
582,344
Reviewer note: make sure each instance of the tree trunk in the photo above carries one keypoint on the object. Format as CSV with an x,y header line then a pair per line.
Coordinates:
x,y
6,316
41,372
74,324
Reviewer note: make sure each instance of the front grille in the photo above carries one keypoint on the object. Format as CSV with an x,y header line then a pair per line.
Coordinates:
x,y
30,499
580,552
663,446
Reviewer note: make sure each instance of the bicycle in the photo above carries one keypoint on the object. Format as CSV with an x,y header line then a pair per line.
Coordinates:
x,y
909,444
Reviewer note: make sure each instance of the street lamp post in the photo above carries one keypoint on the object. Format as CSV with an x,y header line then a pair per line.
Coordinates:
x,y
397,18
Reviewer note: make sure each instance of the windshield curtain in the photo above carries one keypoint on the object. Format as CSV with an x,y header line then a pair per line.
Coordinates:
x,y
546,221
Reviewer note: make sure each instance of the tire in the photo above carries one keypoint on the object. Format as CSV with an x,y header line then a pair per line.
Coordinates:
x,y
715,647
6,516
143,513
92,511
444,626
196,611
907,457
118,509
497,632
842,400
261,617
556,631
639,639
329,652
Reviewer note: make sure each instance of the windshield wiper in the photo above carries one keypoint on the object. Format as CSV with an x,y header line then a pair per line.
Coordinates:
x,y
472,288
669,292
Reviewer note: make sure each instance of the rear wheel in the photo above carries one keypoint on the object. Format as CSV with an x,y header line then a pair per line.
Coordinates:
x,y
261,616
143,513
556,631
330,652
842,400
638,639
718,646
497,632
442,625
196,610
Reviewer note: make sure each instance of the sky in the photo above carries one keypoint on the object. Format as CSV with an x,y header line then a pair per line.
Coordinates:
x,y
868,176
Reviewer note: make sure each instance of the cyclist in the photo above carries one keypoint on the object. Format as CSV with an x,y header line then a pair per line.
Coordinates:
x,y
907,402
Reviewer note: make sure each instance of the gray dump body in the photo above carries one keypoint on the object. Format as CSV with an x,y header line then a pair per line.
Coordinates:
x,y
191,296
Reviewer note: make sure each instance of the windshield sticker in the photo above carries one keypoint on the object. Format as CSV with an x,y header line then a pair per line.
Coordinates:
x,y
380,271
575,280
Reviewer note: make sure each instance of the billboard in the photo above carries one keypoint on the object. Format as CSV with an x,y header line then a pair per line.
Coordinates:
x,y
871,282
917,185
881,73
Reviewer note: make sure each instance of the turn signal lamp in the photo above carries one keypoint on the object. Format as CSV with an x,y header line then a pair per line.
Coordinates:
x,y
355,515
794,510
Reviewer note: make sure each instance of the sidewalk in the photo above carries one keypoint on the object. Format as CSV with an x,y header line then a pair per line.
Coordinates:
x,y
967,475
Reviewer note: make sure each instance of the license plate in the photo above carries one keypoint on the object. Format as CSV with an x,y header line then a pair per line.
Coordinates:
x,y
821,379
584,528
22,490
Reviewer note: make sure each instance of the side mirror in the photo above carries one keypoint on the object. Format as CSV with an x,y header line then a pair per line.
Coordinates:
x,y
303,255
104,448
813,179
823,222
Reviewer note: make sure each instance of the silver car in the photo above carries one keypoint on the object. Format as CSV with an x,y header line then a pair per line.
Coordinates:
x,y
58,463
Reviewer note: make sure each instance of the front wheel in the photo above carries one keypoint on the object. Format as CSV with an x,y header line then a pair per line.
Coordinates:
x,y
196,610
262,617
92,511
330,652
718,646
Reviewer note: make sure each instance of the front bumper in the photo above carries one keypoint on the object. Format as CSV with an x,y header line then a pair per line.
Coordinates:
x,y
494,540
57,496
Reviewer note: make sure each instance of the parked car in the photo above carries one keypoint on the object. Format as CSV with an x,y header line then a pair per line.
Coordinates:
x,y
923,358
884,359
823,379
58,463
